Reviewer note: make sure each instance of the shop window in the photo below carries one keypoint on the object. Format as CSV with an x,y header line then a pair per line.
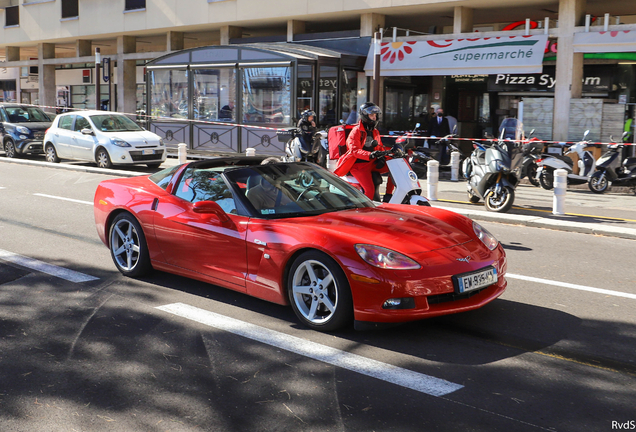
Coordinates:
x,y
215,94
70,8
135,4
328,95
352,96
83,96
267,95
305,88
12,16
169,93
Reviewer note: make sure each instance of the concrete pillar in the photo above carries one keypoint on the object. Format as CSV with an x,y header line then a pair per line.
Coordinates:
x,y
294,27
174,41
12,53
230,32
46,76
83,48
463,20
370,23
569,67
126,76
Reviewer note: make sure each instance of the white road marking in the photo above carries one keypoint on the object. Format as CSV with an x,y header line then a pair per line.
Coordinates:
x,y
63,199
353,362
572,286
53,270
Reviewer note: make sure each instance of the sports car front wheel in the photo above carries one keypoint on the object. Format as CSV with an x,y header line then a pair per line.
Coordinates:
x,y
319,292
128,246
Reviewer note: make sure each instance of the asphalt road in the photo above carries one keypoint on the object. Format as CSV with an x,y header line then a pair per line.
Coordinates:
x,y
553,354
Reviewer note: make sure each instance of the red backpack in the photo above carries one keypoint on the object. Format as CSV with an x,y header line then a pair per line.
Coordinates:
x,y
337,138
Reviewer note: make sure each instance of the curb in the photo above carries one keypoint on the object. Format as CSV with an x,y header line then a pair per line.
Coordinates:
x,y
94,170
539,222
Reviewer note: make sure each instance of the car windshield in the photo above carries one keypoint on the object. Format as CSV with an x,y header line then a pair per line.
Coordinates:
x,y
283,190
114,123
23,114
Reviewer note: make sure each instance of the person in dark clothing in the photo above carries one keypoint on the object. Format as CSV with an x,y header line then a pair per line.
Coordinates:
x,y
438,126
307,128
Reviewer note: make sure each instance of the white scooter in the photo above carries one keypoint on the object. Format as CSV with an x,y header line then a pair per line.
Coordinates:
x,y
549,163
407,186
318,152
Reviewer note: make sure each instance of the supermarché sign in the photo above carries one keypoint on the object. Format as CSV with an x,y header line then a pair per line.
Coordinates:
x,y
483,56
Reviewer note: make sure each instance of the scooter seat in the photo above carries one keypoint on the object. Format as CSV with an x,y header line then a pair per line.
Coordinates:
x,y
565,159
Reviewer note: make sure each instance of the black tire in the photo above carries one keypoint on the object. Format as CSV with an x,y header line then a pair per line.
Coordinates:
x,y
501,203
128,247
272,159
321,157
473,198
51,154
532,175
598,183
10,150
154,165
546,179
323,308
102,158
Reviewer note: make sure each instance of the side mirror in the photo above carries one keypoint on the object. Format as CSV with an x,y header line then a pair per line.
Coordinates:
x,y
586,133
417,125
87,131
211,208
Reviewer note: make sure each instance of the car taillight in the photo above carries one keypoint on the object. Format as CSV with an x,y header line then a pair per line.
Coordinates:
x,y
46,131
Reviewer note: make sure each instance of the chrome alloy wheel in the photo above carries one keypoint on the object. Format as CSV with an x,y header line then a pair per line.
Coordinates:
x,y
315,292
125,244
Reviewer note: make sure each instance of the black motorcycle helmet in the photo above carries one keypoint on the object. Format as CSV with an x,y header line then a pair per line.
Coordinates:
x,y
365,110
306,114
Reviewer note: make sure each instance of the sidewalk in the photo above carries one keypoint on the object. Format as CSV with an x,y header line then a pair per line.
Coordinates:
x,y
611,214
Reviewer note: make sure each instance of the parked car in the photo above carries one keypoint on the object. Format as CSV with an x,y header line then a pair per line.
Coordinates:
x,y
22,128
294,233
107,138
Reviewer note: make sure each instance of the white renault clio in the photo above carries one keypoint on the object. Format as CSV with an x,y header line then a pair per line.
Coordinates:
x,y
107,138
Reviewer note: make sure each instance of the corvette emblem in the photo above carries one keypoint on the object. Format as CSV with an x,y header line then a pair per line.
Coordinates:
x,y
464,259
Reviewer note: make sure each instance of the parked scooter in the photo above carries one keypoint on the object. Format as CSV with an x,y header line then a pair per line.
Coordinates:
x,y
549,163
493,173
296,150
610,171
407,187
532,151
417,155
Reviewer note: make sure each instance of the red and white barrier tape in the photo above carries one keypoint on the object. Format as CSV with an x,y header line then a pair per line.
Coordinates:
x,y
396,136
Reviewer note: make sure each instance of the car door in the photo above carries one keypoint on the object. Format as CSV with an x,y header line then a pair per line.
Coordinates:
x,y
83,145
62,136
202,243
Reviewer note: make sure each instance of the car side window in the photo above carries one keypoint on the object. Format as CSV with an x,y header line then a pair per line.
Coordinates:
x,y
205,185
66,122
81,123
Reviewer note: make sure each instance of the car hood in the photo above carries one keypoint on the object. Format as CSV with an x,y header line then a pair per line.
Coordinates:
x,y
405,232
34,126
137,139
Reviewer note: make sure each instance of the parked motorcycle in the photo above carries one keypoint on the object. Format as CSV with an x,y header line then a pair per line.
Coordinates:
x,y
407,187
611,171
419,155
493,173
549,163
532,151
297,150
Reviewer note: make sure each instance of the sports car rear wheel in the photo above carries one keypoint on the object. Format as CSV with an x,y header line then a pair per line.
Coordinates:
x,y
319,292
128,246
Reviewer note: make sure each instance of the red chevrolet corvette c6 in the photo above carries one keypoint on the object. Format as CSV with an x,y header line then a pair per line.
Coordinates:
x,y
293,233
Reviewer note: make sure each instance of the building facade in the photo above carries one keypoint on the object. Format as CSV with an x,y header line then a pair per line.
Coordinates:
x,y
569,63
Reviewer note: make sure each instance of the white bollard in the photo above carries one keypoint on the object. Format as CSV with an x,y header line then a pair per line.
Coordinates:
x,y
432,179
250,152
560,187
182,153
454,166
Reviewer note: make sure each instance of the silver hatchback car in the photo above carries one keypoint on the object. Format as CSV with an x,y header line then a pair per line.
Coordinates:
x,y
107,138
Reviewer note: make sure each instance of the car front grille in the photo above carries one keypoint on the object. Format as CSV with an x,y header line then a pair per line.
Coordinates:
x,y
449,297
137,156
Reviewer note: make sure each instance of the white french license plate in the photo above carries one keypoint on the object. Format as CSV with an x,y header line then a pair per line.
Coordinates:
x,y
477,280
147,151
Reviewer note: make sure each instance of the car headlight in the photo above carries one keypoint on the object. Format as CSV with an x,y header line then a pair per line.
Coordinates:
x,y
119,142
161,142
385,258
486,238
22,130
